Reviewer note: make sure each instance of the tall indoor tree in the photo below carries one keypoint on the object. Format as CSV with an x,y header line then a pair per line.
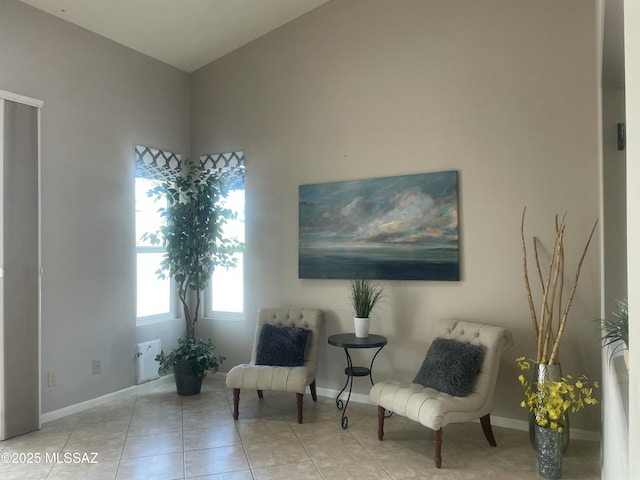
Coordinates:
x,y
193,233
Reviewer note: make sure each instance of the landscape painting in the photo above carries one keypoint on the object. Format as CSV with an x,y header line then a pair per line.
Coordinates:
x,y
390,228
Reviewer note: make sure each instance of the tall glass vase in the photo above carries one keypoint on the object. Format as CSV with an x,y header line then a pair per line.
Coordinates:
x,y
551,373
549,452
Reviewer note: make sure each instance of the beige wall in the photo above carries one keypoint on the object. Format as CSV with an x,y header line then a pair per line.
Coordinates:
x,y
504,92
100,100
614,200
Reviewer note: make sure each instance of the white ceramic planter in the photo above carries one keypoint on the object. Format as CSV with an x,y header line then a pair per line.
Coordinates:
x,y
361,326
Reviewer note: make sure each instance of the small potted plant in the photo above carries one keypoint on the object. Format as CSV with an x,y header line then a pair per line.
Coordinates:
x,y
365,294
190,361
615,331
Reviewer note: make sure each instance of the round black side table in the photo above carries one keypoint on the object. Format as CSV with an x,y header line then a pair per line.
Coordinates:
x,y
347,341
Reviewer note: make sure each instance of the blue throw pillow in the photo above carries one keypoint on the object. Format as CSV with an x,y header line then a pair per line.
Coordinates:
x,y
282,346
450,367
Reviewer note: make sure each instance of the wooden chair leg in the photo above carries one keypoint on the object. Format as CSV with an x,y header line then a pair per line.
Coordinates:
x,y
381,411
437,446
488,431
312,387
236,401
260,394
299,397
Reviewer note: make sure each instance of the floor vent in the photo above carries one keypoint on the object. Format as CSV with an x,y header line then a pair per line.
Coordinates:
x,y
147,365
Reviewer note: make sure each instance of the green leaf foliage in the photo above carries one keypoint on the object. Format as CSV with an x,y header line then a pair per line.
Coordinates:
x,y
193,233
365,293
189,349
616,329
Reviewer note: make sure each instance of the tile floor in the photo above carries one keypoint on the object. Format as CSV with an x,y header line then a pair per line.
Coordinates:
x,y
155,434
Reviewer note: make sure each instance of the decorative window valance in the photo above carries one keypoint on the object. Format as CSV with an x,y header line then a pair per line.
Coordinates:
x,y
231,163
157,164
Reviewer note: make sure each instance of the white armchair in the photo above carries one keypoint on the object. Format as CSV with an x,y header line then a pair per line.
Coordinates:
x,y
435,409
278,377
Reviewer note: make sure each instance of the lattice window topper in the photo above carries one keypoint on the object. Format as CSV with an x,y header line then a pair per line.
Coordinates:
x,y
157,164
231,162
222,160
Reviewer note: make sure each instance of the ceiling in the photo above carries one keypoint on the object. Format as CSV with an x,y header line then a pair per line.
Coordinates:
x,y
187,34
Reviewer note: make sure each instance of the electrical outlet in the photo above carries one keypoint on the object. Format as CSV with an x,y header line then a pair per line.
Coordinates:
x,y
96,367
53,380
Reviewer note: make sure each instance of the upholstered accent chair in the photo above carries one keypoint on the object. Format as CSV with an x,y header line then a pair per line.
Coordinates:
x,y
273,366
435,409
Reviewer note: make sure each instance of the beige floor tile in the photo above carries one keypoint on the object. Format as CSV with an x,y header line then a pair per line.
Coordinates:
x,y
354,469
211,398
406,463
206,418
155,444
110,426
61,425
148,425
260,430
107,448
506,474
333,448
117,416
239,475
99,471
321,418
38,474
277,452
25,460
393,439
159,467
318,427
440,475
297,471
220,436
37,441
215,460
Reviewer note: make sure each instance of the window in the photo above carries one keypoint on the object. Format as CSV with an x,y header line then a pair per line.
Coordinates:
x,y
225,296
155,297
226,291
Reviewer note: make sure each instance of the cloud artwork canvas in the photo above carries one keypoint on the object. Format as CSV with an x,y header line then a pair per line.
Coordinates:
x,y
390,228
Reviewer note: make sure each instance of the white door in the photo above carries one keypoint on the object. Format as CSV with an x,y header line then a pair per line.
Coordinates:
x,y
19,265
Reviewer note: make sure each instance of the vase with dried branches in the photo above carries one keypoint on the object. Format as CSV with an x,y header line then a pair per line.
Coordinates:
x,y
550,321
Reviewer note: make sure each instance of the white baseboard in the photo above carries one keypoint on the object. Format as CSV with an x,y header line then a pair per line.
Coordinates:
x,y
94,402
516,424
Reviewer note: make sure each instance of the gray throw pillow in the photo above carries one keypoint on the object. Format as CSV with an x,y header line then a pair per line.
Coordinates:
x,y
282,346
450,366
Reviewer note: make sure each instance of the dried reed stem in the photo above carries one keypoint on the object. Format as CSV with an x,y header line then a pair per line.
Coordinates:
x,y
532,310
547,337
557,261
555,352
